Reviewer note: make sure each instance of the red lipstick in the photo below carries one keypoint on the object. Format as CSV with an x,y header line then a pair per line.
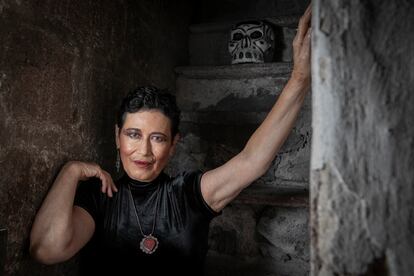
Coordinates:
x,y
142,164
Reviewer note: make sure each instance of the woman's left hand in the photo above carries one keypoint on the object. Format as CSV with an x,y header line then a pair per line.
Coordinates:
x,y
301,50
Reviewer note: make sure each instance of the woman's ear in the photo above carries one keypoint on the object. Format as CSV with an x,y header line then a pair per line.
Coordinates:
x,y
117,136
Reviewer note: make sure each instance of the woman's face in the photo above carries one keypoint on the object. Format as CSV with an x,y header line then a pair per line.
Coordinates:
x,y
145,144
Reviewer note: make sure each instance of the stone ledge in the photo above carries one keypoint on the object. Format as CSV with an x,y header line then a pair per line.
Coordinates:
x,y
233,117
281,200
237,71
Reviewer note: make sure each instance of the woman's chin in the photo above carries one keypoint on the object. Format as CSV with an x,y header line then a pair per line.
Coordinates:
x,y
143,176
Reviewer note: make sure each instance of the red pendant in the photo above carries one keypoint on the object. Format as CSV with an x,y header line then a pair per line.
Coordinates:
x,y
149,244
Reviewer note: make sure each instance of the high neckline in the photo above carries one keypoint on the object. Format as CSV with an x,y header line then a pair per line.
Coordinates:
x,y
140,185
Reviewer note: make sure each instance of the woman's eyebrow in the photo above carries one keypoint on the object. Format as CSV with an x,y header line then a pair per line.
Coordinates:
x,y
159,133
152,133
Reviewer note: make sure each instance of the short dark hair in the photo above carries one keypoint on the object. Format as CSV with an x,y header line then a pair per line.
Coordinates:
x,y
150,97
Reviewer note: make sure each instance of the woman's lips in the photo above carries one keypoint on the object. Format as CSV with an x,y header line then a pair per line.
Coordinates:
x,y
142,164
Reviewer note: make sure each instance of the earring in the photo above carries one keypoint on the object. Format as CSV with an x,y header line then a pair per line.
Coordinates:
x,y
118,161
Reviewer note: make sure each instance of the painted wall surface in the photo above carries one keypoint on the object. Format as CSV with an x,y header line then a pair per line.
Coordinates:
x,y
64,65
362,193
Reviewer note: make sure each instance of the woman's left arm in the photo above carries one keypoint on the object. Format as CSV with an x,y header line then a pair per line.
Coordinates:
x,y
221,185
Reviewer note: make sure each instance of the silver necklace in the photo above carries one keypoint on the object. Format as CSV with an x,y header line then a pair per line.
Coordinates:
x,y
149,243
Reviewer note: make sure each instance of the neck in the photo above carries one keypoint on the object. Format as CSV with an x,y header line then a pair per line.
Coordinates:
x,y
137,184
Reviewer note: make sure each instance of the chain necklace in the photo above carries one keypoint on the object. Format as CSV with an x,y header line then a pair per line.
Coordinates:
x,y
149,243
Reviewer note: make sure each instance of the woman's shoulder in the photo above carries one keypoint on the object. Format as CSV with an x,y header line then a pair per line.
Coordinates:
x,y
185,177
188,184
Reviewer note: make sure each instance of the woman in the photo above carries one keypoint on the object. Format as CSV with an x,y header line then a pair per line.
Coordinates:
x,y
147,221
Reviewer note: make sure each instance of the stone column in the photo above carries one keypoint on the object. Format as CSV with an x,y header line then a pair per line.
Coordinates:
x,y
362,164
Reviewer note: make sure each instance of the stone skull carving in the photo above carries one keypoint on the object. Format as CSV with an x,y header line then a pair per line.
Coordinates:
x,y
251,42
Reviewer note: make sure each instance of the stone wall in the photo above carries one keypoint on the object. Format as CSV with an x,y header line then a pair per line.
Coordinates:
x,y
64,65
228,10
264,231
362,193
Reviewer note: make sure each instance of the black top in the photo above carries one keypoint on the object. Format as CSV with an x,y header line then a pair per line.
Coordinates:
x,y
181,227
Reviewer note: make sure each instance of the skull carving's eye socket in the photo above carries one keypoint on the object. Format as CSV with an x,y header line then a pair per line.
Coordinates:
x,y
256,35
237,36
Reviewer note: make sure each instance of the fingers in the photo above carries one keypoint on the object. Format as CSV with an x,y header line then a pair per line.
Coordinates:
x,y
108,185
307,15
89,170
302,50
303,26
306,44
301,43
85,170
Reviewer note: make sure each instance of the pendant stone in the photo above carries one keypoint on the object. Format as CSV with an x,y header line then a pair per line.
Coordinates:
x,y
149,244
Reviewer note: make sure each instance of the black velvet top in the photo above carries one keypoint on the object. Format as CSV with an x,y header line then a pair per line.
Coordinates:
x,y
181,226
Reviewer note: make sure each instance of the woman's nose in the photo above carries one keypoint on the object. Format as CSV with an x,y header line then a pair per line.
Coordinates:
x,y
144,147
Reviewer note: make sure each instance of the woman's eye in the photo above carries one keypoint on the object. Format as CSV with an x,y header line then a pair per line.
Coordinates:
x,y
158,138
133,135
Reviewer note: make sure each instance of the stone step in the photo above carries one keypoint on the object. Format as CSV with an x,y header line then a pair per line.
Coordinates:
x,y
270,196
208,41
221,108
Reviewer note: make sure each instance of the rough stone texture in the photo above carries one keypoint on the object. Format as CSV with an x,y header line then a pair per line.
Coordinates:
x,y
249,240
222,106
362,193
63,67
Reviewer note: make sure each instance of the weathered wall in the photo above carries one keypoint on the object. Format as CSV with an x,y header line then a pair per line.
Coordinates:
x,y
63,67
362,193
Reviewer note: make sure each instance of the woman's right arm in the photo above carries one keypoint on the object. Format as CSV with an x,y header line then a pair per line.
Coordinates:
x,y
60,229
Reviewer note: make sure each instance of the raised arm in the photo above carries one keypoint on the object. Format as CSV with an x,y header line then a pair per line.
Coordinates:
x,y
223,184
60,229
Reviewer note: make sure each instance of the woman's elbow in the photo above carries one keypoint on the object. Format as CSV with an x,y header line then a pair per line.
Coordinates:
x,y
254,165
46,255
